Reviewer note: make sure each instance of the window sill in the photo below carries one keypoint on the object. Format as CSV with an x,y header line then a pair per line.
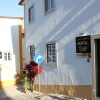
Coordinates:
x,y
51,65
32,21
48,12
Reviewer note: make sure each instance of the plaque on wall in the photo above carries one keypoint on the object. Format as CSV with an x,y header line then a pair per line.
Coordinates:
x,y
83,44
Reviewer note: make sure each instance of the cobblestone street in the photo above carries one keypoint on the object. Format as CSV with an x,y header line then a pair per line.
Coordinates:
x,y
18,93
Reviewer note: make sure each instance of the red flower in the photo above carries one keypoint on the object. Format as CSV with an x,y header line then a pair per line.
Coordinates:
x,y
39,69
33,69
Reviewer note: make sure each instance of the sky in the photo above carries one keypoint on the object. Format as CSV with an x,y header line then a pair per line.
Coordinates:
x,y
11,8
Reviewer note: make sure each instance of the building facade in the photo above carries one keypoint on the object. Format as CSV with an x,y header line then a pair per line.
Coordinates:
x,y
67,34
10,50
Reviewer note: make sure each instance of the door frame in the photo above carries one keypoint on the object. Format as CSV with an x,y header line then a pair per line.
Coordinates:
x,y
93,58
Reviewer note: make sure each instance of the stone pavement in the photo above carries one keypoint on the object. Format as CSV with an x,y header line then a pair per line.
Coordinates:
x,y
17,93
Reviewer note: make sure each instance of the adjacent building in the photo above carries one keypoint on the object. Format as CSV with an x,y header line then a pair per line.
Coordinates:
x,y
67,34
11,59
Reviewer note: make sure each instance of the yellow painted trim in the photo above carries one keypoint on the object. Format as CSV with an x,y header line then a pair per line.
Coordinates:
x,y
9,68
80,91
7,83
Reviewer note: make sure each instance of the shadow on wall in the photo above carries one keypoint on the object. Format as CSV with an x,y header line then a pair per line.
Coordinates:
x,y
85,20
16,53
15,47
63,26
79,17
82,16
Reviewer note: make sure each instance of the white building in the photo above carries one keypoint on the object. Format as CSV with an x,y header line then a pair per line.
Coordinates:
x,y
51,29
10,50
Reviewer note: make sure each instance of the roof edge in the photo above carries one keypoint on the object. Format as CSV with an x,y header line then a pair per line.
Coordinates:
x,y
11,17
21,2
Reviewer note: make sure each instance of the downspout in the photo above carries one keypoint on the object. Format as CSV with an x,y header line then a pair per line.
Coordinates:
x,y
20,48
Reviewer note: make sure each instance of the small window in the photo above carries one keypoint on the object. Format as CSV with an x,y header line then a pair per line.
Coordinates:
x,y
51,53
32,51
31,14
5,56
49,6
0,55
9,56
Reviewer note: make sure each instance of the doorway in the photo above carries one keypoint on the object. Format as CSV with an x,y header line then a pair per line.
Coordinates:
x,y
97,53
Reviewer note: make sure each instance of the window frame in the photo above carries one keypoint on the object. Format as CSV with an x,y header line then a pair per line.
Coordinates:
x,y
7,56
32,53
52,62
51,9
1,55
31,20
5,59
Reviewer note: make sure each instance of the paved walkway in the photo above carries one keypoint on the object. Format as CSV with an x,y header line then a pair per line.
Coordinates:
x,y
18,93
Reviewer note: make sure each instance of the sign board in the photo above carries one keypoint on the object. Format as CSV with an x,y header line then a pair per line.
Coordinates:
x,y
38,58
83,44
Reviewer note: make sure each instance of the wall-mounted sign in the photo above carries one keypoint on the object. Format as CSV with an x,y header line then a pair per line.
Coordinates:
x,y
83,44
38,58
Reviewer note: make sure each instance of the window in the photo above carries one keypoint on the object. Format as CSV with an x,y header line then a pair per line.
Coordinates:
x,y
51,53
49,6
31,14
0,55
32,51
7,56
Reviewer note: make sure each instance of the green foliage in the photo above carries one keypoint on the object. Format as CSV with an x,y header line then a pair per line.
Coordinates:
x,y
28,84
30,71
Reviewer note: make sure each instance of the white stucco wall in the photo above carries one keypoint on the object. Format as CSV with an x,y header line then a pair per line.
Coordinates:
x,y
9,42
69,19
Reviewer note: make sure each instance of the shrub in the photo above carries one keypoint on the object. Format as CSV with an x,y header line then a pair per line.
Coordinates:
x,y
31,70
